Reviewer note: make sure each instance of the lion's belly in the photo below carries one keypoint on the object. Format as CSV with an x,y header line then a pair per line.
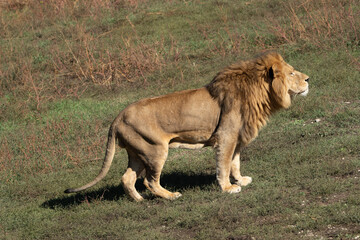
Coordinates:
x,y
186,145
191,140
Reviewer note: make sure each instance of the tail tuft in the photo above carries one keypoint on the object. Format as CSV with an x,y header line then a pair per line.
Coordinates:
x,y
70,190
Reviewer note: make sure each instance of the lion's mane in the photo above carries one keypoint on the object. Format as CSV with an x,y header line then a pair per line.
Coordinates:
x,y
245,87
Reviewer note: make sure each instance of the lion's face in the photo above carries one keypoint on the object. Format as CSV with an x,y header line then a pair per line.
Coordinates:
x,y
287,82
297,82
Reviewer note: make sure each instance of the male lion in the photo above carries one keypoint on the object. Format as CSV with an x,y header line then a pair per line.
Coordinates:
x,y
226,114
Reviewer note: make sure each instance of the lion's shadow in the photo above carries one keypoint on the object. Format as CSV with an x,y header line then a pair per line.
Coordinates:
x,y
177,181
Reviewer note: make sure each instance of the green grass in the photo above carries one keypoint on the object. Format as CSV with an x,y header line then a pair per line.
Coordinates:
x,y
67,68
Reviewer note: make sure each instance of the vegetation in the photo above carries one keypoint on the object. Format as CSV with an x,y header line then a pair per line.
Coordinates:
x,y
68,67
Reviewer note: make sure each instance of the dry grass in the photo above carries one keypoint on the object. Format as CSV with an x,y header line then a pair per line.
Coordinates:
x,y
56,145
67,47
52,57
325,23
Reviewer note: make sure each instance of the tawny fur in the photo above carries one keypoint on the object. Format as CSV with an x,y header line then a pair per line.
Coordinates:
x,y
226,114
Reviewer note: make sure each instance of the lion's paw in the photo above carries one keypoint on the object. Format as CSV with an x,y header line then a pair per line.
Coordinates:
x,y
244,181
233,189
175,195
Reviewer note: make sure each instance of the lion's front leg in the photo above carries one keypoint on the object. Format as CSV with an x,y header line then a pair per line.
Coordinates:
x,y
225,153
235,170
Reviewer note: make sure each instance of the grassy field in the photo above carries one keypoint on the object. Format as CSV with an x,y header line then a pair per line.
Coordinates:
x,y
68,67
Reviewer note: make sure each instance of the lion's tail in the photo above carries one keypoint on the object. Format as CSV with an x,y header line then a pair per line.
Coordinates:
x,y
109,155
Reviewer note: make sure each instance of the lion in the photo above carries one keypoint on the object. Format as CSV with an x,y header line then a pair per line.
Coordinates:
x,y
226,114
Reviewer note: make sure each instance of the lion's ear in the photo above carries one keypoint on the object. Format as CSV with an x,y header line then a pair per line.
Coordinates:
x,y
279,87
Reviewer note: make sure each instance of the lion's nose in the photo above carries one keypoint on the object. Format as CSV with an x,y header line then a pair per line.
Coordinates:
x,y
307,80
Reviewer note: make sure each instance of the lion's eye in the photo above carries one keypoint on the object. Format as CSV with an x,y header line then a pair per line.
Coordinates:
x,y
292,74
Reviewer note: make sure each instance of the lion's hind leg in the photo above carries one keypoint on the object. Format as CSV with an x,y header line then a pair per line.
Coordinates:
x,y
152,182
154,167
128,180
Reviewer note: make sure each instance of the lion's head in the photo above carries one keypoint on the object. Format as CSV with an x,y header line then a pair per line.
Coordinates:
x,y
266,79
286,81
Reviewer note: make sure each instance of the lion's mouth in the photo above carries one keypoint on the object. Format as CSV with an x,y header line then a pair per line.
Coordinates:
x,y
304,93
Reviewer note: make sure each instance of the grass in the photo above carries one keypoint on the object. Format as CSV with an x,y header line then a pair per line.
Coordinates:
x,y
68,67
